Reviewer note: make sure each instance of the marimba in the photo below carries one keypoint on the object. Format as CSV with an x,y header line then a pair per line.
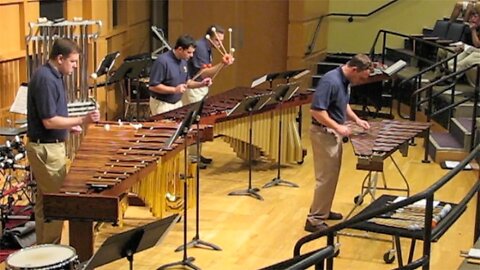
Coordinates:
x,y
378,143
112,160
382,140
265,123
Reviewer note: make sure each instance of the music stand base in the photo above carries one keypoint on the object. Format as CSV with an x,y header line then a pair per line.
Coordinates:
x,y
198,243
252,192
186,262
279,182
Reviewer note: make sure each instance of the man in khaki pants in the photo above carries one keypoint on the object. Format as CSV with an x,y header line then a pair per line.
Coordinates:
x,y
330,110
48,127
201,63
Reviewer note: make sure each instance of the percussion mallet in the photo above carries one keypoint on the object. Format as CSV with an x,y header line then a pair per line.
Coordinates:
x,y
230,40
214,30
218,70
214,45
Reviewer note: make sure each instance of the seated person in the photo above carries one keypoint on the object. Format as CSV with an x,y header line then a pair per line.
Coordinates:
x,y
466,8
470,54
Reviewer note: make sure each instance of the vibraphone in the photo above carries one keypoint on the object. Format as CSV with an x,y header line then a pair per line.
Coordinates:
x,y
234,129
379,143
112,160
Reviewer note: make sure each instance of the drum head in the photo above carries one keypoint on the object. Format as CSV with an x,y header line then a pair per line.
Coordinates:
x,y
40,256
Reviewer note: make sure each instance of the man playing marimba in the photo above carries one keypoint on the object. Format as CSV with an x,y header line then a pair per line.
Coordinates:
x,y
201,63
169,77
330,110
48,125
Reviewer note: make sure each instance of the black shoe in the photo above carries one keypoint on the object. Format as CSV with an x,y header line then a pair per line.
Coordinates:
x,y
205,160
335,216
315,228
201,165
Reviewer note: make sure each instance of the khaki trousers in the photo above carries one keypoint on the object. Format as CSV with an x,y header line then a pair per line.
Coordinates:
x,y
327,159
158,106
48,165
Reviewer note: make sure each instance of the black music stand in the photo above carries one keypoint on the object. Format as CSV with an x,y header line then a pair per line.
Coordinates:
x,y
131,70
126,244
105,66
196,241
182,131
249,105
287,75
282,93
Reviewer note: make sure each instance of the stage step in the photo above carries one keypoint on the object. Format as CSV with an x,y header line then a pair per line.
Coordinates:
x,y
340,58
461,130
443,146
315,80
324,67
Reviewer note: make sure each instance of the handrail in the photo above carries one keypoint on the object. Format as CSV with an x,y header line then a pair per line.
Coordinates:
x,y
415,264
315,259
350,19
427,194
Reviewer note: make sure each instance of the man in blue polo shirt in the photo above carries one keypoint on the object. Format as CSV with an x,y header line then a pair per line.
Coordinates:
x,y
202,62
330,110
170,77
48,127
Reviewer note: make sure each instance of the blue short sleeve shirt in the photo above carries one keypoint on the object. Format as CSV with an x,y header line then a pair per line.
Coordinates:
x,y
202,56
171,71
46,98
331,95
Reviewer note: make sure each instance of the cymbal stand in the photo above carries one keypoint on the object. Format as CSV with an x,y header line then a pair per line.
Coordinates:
x,y
196,241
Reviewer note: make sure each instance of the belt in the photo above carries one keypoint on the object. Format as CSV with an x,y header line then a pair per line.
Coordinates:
x,y
157,98
318,124
47,140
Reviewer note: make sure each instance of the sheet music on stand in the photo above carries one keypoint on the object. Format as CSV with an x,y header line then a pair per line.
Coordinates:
x,y
135,240
20,103
251,103
284,92
187,122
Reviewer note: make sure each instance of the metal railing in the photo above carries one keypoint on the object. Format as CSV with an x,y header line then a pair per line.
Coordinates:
x,y
350,18
429,233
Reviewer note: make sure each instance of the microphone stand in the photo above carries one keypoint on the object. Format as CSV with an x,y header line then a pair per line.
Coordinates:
x,y
196,241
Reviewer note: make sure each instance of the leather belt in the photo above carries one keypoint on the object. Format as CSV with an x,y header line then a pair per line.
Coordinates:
x,y
47,140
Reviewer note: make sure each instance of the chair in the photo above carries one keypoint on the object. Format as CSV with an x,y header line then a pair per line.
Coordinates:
x,y
136,96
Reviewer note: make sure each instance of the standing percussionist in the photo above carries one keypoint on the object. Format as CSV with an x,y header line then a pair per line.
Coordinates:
x,y
170,77
48,127
202,62
330,110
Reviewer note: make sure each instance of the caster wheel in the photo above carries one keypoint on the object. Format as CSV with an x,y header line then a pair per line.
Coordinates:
x,y
358,200
389,257
336,253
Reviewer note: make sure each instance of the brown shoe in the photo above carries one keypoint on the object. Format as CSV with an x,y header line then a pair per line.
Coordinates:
x,y
335,216
314,228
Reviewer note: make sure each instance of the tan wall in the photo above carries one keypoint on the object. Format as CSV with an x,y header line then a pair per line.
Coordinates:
x,y
405,16
14,18
261,33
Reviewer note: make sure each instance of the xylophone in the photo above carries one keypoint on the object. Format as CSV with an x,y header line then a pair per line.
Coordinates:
x,y
382,140
375,145
112,160
232,127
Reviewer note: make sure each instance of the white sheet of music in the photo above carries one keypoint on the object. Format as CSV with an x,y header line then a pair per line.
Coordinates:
x,y
259,81
20,103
